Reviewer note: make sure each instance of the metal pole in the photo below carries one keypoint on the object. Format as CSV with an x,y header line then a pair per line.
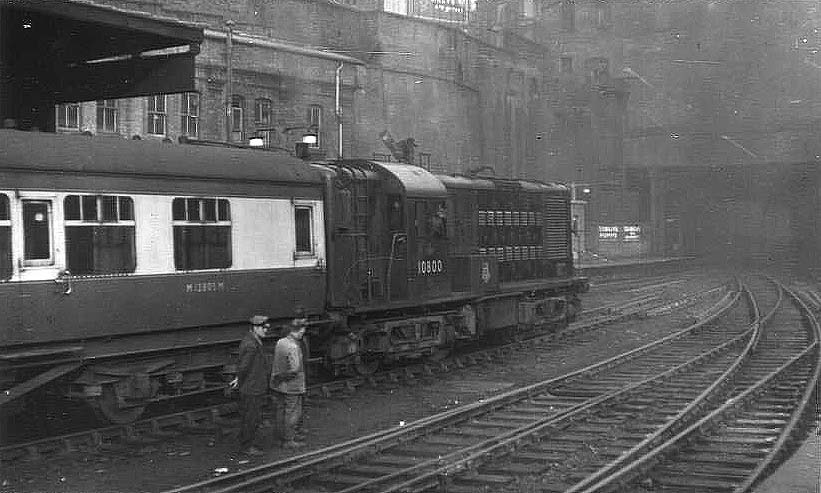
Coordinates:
x,y
338,110
229,83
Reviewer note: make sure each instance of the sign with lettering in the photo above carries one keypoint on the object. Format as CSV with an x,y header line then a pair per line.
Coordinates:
x,y
430,267
205,287
485,272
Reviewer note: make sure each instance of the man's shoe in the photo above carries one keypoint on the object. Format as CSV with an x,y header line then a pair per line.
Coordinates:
x,y
254,451
293,444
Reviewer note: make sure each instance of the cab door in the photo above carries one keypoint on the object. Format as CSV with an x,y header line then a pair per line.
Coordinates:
x,y
428,248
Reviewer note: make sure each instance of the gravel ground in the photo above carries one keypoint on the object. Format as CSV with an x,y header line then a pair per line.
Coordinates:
x,y
193,457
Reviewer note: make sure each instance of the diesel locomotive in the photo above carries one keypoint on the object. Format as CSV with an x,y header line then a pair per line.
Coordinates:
x,y
128,269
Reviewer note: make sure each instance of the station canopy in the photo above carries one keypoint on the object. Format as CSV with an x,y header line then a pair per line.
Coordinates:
x,y
56,51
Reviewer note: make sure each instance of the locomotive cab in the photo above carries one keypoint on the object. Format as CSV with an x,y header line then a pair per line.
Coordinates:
x,y
422,258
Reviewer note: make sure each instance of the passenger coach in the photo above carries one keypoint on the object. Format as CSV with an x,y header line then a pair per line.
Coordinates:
x,y
127,268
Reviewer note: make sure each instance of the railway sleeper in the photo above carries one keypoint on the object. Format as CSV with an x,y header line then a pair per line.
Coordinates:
x,y
513,415
450,440
546,458
480,432
728,448
725,470
494,422
389,458
337,479
369,470
419,450
693,482
724,458
480,479
513,468
545,410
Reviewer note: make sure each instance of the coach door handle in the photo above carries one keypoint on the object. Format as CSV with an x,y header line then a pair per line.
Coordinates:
x,y
64,278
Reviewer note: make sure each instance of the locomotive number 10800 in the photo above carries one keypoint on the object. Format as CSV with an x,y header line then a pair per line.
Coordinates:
x,y
429,267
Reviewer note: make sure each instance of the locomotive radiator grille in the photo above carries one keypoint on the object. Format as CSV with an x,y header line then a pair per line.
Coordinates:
x,y
557,225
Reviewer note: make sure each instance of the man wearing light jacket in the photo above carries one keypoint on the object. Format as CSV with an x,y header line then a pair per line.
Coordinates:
x,y
288,384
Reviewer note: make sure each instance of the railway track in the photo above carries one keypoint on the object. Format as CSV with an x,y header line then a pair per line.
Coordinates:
x,y
737,444
711,408
215,417
470,448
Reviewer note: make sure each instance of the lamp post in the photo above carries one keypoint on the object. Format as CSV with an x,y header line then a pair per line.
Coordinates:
x,y
338,108
229,87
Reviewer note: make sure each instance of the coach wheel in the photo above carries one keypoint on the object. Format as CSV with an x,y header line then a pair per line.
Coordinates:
x,y
367,365
109,410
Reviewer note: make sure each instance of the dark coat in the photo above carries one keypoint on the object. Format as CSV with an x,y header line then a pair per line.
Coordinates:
x,y
254,366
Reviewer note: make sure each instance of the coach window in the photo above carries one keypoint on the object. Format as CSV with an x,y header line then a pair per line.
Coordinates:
x,y
303,228
37,233
5,238
202,233
99,234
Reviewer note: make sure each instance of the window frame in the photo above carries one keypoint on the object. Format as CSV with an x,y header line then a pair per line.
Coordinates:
x,y
6,264
188,117
263,119
26,262
237,115
106,107
315,112
202,221
154,113
62,116
124,217
312,252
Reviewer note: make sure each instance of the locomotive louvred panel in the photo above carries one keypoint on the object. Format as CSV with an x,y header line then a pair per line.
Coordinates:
x,y
557,240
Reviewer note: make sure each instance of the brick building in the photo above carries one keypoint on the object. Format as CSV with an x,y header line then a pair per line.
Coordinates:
x,y
473,84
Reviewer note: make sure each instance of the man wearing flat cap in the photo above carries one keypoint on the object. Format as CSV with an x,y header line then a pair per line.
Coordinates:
x,y
288,384
252,379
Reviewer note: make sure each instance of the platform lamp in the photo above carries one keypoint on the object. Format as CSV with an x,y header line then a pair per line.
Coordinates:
x,y
309,138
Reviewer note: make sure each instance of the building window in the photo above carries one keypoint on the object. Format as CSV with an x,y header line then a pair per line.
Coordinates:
x,y
157,115
303,227
237,120
262,120
315,124
202,233
37,232
603,14
68,116
99,234
568,13
567,65
5,238
190,114
107,117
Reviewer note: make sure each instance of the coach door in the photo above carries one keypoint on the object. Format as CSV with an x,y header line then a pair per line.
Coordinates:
x,y
37,233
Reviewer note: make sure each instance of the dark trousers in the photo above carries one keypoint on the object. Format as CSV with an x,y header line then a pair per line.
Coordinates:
x,y
290,422
250,410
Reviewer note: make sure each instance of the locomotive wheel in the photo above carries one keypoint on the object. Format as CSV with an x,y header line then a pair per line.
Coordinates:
x,y
109,411
367,366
